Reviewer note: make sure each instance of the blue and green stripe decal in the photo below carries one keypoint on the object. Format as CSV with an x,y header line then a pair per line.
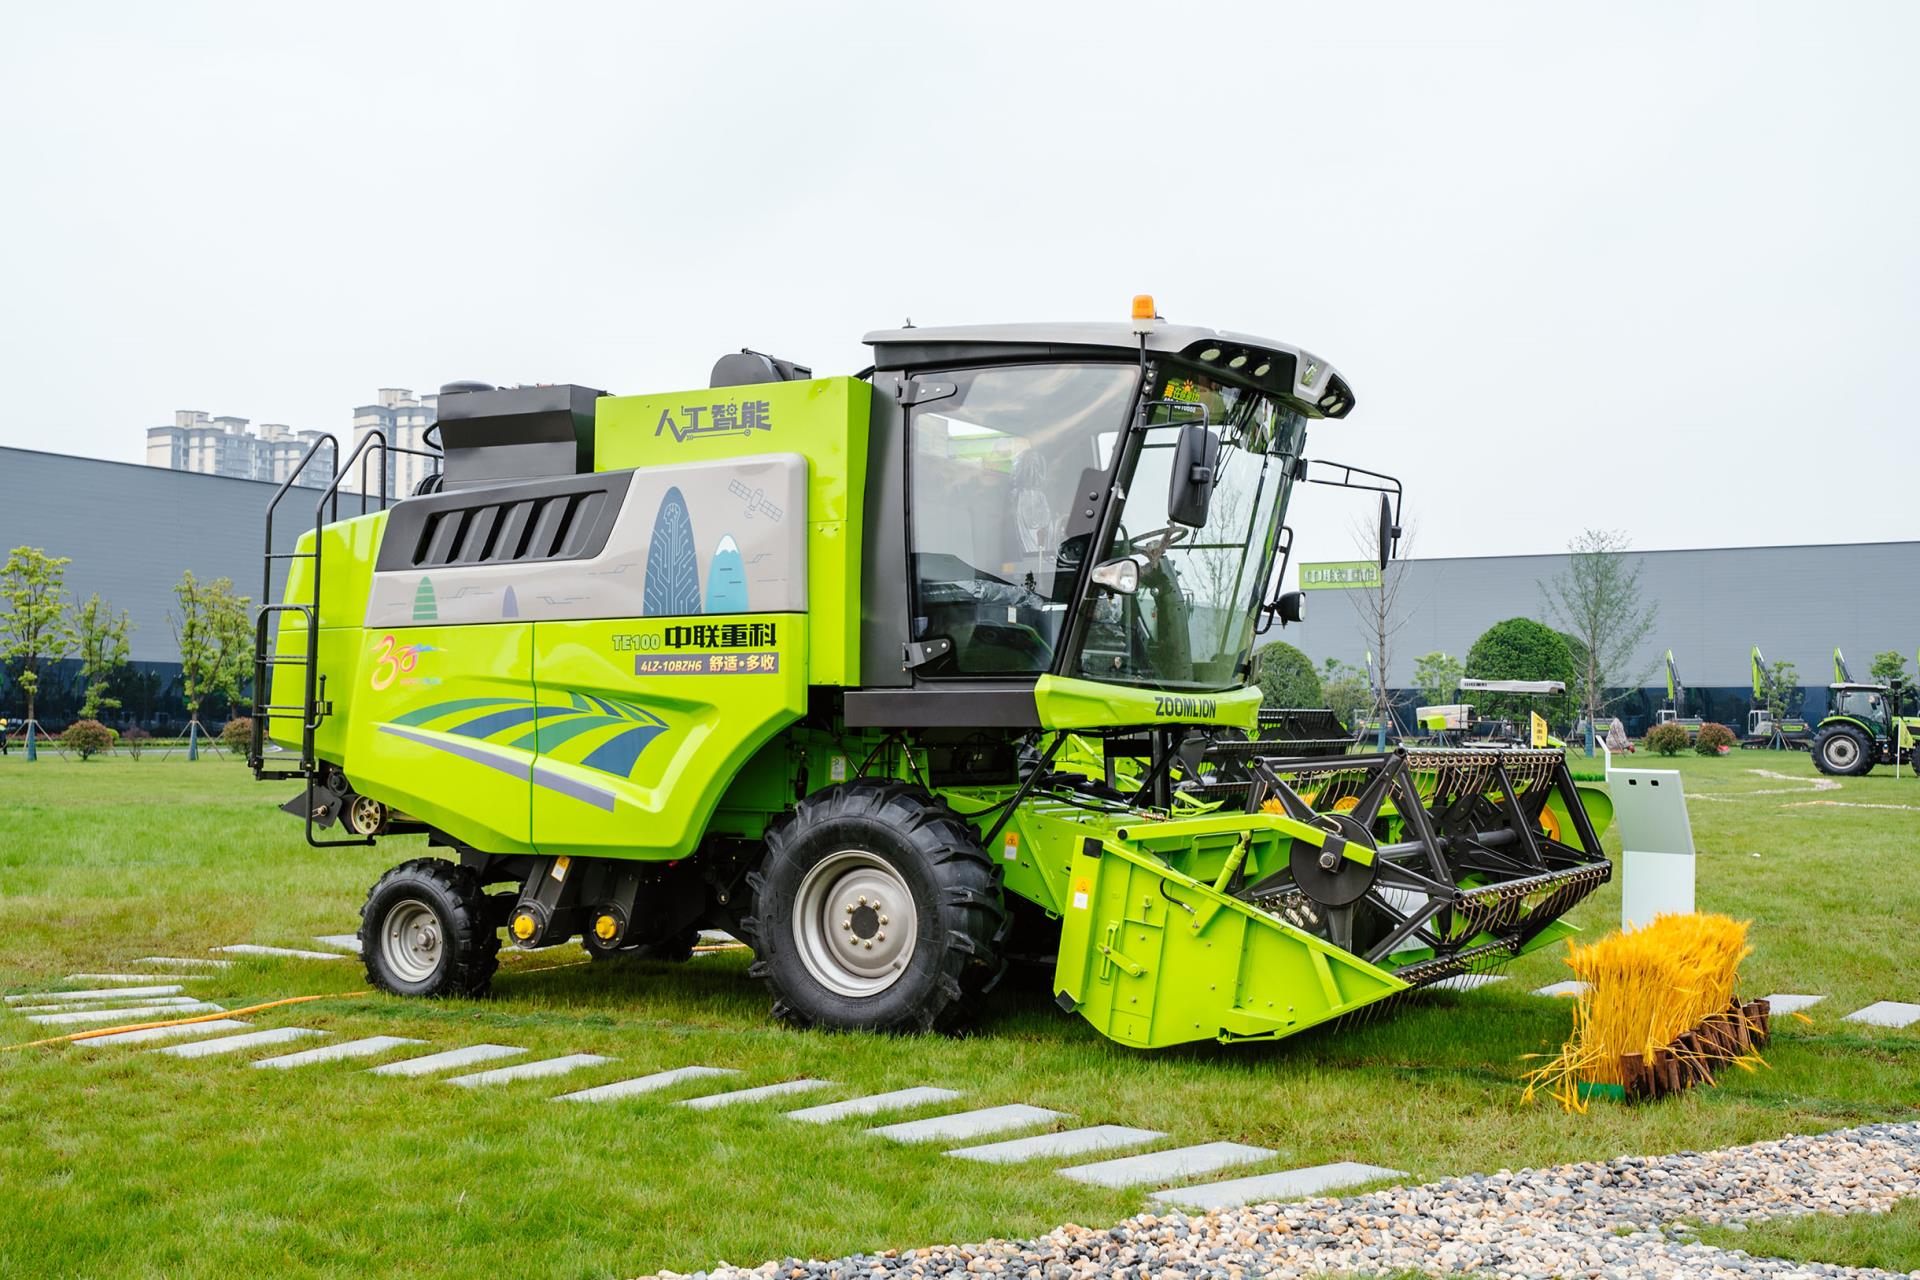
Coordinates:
x,y
602,734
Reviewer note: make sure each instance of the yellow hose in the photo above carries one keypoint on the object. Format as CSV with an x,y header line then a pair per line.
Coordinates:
x,y
182,1022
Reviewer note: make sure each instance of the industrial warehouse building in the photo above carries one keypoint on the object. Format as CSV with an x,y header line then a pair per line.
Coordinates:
x,y
130,530
1797,603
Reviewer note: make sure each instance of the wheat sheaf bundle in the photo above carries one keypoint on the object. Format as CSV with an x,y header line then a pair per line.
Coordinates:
x,y
1646,990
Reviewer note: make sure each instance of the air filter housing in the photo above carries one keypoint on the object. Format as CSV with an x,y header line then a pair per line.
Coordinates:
x,y
500,435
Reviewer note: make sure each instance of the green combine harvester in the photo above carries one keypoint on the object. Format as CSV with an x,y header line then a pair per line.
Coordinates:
x,y
896,677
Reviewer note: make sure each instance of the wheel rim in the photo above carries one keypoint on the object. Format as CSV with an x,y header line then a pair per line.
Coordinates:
x,y
411,942
855,923
1842,751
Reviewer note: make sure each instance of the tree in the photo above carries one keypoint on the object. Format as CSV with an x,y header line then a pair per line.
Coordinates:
x,y
1379,609
1287,677
1437,676
101,637
216,641
1344,690
1781,684
34,630
1597,600
1520,649
1890,667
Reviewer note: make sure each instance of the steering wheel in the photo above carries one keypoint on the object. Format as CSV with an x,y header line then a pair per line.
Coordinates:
x,y
1155,543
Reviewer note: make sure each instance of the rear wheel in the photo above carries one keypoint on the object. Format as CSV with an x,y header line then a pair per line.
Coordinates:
x,y
876,910
1843,750
426,931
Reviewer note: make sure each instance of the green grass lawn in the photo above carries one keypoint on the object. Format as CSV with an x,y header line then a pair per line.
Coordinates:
x,y
1889,1241
143,1165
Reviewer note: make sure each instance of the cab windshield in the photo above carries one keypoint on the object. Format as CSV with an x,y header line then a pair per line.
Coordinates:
x,y
1190,624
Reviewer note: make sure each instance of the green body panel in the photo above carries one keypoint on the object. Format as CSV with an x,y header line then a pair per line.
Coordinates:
x,y
710,725
438,768
826,420
1067,703
349,547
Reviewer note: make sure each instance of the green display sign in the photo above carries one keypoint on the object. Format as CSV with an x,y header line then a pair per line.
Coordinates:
x,y
1339,575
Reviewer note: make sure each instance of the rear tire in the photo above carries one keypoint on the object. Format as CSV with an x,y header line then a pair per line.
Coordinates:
x,y
1843,751
426,931
876,910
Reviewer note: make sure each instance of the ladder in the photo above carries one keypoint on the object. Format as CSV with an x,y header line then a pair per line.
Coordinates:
x,y
268,762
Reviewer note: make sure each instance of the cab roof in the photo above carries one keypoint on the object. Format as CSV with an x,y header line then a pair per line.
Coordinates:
x,y
1310,384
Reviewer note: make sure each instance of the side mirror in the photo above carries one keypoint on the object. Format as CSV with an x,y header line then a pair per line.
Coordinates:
x,y
1292,607
1190,488
1389,532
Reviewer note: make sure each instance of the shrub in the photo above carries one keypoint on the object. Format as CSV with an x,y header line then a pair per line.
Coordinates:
x,y
236,735
1668,739
1713,739
1287,677
87,737
1521,649
135,740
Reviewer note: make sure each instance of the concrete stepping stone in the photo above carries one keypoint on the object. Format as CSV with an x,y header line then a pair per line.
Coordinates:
x,y
165,1033
98,993
334,1052
135,977
709,1101
1886,1013
1068,1142
292,953
234,1044
873,1104
445,1061
1167,1166
530,1070
961,1125
1290,1184
1468,981
344,941
1791,1003
138,1013
78,1005
1571,987
185,962
644,1084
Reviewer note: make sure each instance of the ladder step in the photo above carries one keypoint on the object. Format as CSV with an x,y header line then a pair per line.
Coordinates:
x,y
292,555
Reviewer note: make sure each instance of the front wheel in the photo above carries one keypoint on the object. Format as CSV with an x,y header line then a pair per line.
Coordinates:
x,y
426,931
876,910
1842,750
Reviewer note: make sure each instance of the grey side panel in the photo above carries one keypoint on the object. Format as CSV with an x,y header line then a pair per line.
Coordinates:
x,y
883,561
973,706
721,537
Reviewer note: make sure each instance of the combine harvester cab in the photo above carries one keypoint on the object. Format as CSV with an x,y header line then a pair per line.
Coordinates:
x,y
890,676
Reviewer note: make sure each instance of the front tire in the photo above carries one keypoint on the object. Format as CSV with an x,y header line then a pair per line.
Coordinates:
x,y
876,910
1843,751
426,931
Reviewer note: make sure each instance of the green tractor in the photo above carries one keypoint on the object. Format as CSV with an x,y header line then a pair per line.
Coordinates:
x,y
1863,726
896,677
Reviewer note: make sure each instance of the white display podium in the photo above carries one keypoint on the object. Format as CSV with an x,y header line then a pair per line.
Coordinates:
x,y
1656,842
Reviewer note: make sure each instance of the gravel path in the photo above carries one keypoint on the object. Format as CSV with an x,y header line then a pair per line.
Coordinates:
x,y
1616,1219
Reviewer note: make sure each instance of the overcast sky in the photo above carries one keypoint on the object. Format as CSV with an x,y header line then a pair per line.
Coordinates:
x,y
1654,267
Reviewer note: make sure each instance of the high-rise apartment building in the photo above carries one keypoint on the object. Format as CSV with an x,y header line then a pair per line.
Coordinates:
x,y
402,418
232,447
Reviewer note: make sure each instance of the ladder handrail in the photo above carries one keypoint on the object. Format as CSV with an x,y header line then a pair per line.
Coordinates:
x,y
256,747
325,510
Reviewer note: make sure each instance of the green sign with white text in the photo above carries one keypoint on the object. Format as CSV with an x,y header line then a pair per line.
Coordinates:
x,y
1339,575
